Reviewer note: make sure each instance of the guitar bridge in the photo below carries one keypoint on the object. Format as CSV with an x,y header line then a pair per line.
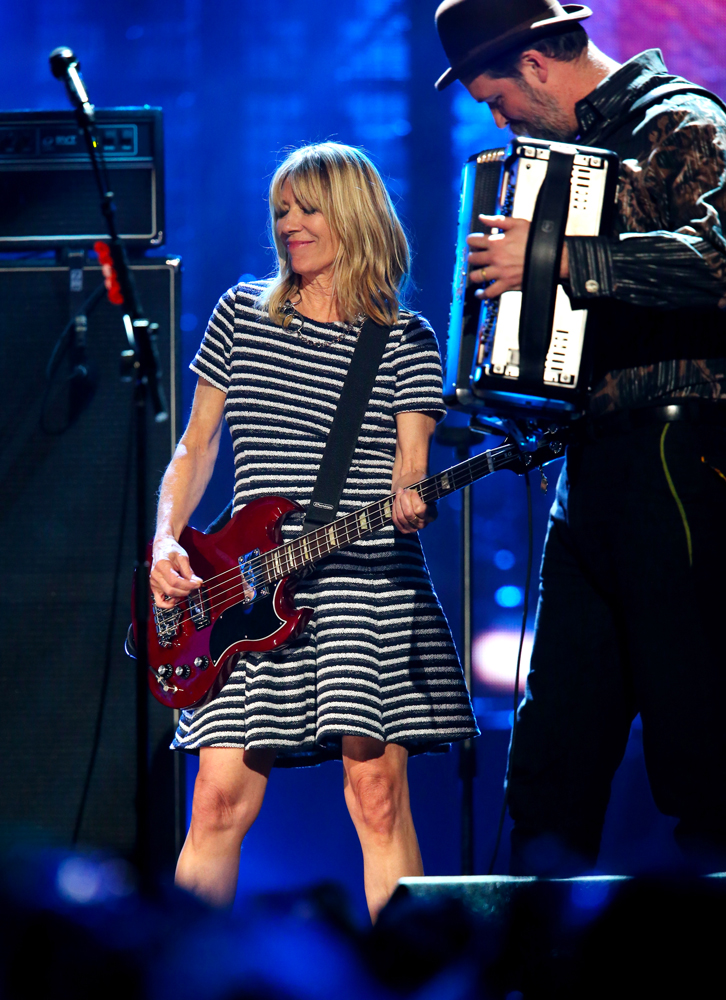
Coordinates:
x,y
166,622
251,584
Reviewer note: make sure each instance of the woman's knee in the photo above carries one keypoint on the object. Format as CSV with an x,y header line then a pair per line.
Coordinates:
x,y
374,799
216,809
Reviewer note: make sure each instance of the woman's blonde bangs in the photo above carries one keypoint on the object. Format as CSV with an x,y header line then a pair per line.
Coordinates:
x,y
373,259
305,184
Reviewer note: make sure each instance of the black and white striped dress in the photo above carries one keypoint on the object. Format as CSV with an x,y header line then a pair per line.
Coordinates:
x,y
378,658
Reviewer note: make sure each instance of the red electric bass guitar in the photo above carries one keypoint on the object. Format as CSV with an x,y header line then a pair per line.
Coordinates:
x,y
246,600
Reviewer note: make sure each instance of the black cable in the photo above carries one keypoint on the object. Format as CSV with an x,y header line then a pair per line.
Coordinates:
x,y
108,652
57,355
525,613
87,307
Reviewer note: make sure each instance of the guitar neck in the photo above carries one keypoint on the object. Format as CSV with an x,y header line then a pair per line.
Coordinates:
x,y
339,534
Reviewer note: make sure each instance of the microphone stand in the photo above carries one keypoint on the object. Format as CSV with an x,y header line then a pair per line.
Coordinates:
x,y
142,362
462,438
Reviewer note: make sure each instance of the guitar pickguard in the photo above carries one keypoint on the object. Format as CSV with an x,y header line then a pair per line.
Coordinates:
x,y
244,622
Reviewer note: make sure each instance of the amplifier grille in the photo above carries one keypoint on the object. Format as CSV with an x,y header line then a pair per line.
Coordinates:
x,y
60,204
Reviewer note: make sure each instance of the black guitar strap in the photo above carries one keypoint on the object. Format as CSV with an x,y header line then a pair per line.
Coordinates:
x,y
342,438
344,431
347,421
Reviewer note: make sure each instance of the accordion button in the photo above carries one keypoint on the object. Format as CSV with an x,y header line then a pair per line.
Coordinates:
x,y
592,286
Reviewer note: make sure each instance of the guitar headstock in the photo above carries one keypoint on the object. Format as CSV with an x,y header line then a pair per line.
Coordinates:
x,y
537,450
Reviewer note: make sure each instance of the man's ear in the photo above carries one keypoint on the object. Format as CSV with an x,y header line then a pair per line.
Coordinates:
x,y
534,64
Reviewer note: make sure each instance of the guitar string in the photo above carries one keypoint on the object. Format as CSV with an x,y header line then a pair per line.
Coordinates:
x,y
428,489
346,529
287,555
291,555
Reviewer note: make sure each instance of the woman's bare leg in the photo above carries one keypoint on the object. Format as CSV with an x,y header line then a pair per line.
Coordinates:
x,y
376,793
228,794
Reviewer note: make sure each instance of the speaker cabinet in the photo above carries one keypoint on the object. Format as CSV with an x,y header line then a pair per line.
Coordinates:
x,y
67,524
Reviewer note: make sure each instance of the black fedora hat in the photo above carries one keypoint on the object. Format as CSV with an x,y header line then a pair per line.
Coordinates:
x,y
473,31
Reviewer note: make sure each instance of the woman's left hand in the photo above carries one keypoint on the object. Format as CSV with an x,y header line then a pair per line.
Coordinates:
x,y
413,435
410,513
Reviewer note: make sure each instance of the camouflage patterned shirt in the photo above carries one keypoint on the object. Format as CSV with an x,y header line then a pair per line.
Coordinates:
x,y
657,282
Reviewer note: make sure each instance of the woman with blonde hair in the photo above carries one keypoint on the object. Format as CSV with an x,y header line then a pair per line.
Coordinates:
x,y
375,677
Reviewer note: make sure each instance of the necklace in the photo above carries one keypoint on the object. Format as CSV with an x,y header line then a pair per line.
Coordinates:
x,y
296,324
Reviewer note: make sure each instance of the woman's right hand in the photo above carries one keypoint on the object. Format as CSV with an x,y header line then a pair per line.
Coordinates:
x,y
171,578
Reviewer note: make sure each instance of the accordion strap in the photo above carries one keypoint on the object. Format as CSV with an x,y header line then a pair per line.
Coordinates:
x,y
347,421
666,90
622,129
542,264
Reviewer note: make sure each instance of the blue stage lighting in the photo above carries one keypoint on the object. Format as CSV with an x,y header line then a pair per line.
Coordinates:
x,y
508,597
503,559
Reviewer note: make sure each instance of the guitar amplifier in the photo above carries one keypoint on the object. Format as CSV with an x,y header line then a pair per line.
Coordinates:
x,y
526,354
67,523
48,192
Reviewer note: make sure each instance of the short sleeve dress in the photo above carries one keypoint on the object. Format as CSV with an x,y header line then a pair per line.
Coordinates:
x,y
377,658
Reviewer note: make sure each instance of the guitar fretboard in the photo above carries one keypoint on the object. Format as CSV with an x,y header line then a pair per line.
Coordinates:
x,y
302,552
260,569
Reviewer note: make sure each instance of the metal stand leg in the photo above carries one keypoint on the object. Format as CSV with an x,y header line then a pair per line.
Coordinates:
x,y
467,750
141,847
462,438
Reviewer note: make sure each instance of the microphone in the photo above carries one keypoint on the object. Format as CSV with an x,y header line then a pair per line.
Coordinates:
x,y
64,66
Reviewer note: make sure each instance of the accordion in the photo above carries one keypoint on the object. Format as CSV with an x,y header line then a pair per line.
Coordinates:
x,y
526,353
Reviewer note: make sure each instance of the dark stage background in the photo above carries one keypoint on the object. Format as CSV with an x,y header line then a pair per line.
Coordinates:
x,y
239,82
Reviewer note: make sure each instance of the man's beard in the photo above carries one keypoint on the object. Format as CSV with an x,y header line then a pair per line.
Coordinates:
x,y
548,120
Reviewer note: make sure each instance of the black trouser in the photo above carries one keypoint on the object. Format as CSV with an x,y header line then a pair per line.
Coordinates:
x,y
631,618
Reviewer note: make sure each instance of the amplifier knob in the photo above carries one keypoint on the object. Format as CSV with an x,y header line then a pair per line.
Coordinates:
x,y
165,671
201,662
183,670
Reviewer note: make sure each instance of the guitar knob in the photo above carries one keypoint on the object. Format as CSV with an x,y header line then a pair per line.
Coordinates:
x,y
165,671
201,662
183,670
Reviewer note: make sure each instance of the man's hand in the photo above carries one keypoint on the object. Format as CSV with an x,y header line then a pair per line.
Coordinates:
x,y
497,261
171,576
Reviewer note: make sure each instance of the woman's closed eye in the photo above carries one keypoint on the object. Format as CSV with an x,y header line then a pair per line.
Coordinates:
x,y
280,213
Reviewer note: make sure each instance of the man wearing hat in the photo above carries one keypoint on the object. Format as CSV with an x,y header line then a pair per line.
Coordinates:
x,y
633,577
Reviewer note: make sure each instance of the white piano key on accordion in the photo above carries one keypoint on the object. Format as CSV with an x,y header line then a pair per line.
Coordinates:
x,y
506,340
530,174
562,364
586,198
